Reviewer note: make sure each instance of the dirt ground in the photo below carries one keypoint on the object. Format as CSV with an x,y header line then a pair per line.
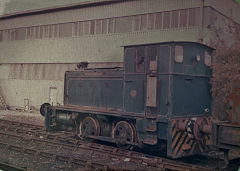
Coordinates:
x,y
32,117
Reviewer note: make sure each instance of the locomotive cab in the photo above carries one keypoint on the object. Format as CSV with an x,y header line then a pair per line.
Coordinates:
x,y
168,85
168,79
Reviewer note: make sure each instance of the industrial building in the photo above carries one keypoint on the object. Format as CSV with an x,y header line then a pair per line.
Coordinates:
x,y
39,43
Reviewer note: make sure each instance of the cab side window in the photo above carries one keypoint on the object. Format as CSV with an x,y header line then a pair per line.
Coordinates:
x,y
129,60
207,59
178,54
140,60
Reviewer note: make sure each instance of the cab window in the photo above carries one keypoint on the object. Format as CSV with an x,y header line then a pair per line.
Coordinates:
x,y
207,59
140,60
129,60
178,54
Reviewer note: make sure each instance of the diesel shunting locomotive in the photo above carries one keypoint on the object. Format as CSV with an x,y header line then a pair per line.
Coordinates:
x,y
160,98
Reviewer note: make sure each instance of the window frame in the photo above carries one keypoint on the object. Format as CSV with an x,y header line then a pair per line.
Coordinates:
x,y
176,55
209,56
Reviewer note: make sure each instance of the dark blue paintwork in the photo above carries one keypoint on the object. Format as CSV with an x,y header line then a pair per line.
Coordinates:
x,y
101,88
155,88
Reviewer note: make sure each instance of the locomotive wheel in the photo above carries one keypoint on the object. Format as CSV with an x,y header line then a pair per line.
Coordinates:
x,y
89,126
122,133
43,109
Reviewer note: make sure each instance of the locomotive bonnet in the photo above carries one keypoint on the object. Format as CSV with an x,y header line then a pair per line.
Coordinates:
x,y
160,98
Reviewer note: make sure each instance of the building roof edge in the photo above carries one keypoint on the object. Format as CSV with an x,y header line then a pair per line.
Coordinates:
x,y
59,7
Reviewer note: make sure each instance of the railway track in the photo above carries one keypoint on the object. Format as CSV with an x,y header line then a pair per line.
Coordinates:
x,y
61,151
6,166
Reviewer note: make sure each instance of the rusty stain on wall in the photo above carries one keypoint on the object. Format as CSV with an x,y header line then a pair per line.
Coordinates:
x,y
235,103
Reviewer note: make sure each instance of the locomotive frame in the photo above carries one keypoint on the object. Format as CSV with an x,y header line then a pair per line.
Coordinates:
x,y
160,98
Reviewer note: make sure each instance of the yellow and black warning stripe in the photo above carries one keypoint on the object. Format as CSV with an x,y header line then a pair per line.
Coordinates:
x,y
184,144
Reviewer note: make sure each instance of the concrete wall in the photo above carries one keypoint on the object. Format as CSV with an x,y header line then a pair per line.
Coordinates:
x,y
33,82
37,92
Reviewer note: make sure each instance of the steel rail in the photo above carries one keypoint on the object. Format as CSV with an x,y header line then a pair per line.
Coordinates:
x,y
73,149
51,155
7,166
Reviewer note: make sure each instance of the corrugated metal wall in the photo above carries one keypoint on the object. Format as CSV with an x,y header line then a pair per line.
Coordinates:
x,y
96,34
181,18
36,91
98,12
39,71
98,48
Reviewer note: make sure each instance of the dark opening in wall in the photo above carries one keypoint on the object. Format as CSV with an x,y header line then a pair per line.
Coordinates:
x,y
175,18
86,27
12,34
123,24
143,25
46,31
65,30
104,26
1,38
41,32
111,25
51,31
37,32
20,34
151,21
158,21
166,20
92,27
98,26
136,23
183,18
56,30
192,17
80,28
75,29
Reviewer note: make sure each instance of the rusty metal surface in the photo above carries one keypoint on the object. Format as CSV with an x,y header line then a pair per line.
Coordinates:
x,y
96,110
187,137
227,135
235,103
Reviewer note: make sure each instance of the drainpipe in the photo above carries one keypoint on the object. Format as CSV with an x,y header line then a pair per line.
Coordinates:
x,y
201,19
